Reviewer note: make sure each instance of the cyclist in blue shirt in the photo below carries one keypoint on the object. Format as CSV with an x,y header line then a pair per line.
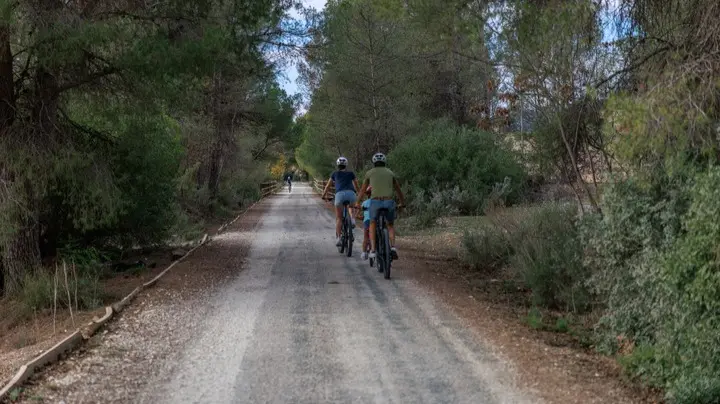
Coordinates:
x,y
288,179
346,186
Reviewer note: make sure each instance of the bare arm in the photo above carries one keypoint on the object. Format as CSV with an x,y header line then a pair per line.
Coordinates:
x,y
399,191
327,187
363,190
356,185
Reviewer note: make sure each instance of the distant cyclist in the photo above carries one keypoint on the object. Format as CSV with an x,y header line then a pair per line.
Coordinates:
x,y
346,185
288,180
384,185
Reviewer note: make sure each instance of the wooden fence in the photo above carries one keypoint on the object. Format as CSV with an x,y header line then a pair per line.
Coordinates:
x,y
269,188
319,186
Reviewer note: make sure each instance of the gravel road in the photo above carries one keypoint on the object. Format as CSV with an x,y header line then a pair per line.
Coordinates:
x,y
299,324
304,324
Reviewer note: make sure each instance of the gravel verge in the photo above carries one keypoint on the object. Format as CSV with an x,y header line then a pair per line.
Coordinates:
x,y
138,349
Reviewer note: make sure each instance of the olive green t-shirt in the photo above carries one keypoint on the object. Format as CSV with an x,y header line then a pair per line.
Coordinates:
x,y
381,181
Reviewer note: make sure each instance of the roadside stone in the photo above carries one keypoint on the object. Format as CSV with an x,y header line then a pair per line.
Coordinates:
x,y
178,253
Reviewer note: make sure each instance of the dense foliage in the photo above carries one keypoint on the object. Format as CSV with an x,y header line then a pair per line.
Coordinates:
x,y
122,122
461,163
118,120
617,100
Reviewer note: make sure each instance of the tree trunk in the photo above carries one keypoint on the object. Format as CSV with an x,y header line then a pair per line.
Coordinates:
x,y
19,201
7,93
20,251
216,153
7,116
576,170
21,256
214,175
2,276
46,103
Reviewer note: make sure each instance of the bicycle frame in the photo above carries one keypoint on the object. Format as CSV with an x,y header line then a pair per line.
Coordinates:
x,y
346,233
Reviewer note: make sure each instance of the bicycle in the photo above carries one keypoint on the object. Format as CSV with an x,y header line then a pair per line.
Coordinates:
x,y
382,244
346,231
383,251
347,236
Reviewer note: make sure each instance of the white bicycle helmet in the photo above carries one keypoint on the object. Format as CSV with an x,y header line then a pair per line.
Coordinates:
x,y
341,161
378,158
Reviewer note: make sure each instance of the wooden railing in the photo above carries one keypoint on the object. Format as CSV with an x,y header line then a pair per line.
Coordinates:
x,y
319,186
269,188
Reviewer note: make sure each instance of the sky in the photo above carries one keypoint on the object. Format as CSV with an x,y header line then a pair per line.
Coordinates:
x,y
289,82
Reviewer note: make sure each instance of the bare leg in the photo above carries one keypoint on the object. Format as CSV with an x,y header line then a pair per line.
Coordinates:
x,y
338,220
373,226
391,230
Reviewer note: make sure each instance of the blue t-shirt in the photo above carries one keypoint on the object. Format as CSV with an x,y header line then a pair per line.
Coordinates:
x,y
343,180
366,210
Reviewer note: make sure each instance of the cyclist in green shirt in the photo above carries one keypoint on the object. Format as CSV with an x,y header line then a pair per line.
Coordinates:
x,y
384,186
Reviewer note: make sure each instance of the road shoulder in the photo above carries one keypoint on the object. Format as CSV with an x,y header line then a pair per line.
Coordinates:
x,y
114,366
553,369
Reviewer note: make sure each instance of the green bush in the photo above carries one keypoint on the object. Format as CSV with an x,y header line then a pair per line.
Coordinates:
x,y
40,291
427,207
655,262
487,247
237,193
639,221
37,293
121,191
547,256
460,163
543,248
146,166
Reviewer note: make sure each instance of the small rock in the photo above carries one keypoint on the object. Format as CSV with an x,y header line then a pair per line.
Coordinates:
x,y
179,253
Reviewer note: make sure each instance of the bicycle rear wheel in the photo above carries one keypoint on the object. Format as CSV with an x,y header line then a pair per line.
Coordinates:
x,y
348,234
386,253
379,262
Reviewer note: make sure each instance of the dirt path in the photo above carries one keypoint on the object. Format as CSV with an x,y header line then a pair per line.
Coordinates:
x,y
300,323
270,312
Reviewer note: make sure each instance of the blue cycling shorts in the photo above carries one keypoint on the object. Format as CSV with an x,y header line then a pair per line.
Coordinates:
x,y
376,205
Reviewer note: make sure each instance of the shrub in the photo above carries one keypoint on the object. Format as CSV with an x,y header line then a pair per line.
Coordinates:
x,y
547,255
427,207
543,248
639,220
487,247
463,163
655,261
117,192
38,292
240,193
146,165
